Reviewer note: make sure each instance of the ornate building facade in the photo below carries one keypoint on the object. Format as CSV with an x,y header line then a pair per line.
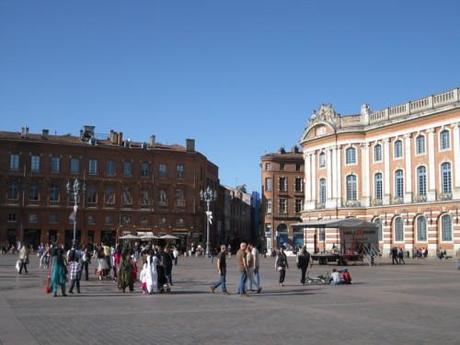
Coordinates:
x,y
398,167
282,196
126,187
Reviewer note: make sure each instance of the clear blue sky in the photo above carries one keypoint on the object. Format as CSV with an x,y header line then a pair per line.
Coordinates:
x,y
242,77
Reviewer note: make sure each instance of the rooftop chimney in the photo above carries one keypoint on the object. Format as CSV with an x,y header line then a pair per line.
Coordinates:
x,y
190,145
113,137
24,131
45,133
87,133
120,138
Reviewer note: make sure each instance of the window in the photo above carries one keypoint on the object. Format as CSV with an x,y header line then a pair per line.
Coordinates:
x,y
13,193
446,224
14,162
378,222
377,153
33,218
12,217
110,168
91,220
55,165
268,184
421,229
35,163
34,194
163,198
420,144
268,167
127,169
399,184
180,171
125,220
322,234
54,193
298,205
109,196
446,178
421,180
91,195
351,188
180,199
269,206
299,184
53,218
283,206
378,186
398,151
92,167
145,169
283,184
162,170
350,155
322,160
145,198
74,166
444,139
126,196
108,220
322,191
399,229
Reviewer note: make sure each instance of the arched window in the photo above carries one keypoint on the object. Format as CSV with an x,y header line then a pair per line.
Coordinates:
x,y
399,229
446,178
322,191
351,188
420,144
399,184
350,155
378,184
446,224
377,153
444,139
421,180
378,222
322,160
398,152
421,229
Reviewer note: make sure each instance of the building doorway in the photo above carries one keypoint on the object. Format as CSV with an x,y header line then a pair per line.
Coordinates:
x,y
282,235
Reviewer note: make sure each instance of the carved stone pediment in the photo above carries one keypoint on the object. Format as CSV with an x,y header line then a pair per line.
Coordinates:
x,y
325,113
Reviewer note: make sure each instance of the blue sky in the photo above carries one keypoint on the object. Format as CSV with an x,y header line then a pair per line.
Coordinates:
x,y
241,77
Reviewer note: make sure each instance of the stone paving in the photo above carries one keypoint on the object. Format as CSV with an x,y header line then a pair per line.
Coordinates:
x,y
417,303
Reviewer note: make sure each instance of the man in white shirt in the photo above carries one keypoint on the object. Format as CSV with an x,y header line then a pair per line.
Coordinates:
x,y
335,278
254,276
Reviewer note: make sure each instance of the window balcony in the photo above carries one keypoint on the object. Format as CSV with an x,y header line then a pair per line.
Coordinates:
x,y
420,198
320,205
352,203
445,196
377,202
397,201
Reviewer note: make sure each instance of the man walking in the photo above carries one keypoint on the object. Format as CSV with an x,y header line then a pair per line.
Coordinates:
x,y
394,256
23,258
303,259
254,276
242,267
222,269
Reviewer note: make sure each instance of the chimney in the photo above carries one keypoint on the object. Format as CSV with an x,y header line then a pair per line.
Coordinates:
x,y
120,138
45,133
113,137
24,131
190,145
152,140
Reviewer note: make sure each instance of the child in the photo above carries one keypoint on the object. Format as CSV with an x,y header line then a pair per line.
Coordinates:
x,y
74,271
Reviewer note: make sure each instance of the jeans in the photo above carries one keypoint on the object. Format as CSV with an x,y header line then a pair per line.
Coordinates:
x,y
242,284
74,282
23,265
254,278
282,276
168,274
85,265
304,272
222,283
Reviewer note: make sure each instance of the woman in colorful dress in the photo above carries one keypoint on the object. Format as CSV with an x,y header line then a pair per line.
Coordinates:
x,y
58,270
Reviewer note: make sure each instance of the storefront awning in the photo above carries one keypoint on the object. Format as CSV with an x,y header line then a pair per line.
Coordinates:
x,y
343,224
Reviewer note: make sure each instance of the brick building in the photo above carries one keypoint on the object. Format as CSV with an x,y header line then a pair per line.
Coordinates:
x,y
128,187
282,196
398,167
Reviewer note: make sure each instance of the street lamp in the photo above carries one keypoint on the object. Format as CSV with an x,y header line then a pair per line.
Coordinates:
x,y
74,189
208,195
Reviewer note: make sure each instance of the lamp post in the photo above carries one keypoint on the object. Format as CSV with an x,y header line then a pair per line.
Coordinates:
x,y
74,189
208,195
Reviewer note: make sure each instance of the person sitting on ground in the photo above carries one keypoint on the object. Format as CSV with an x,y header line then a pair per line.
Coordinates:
x,y
346,276
335,278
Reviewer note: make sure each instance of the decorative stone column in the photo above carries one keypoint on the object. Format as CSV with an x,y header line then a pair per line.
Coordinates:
x,y
456,163
408,169
330,186
307,174
339,175
365,198
431,193
386,173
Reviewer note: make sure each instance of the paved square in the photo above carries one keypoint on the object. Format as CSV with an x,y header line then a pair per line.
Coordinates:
x,y
418,303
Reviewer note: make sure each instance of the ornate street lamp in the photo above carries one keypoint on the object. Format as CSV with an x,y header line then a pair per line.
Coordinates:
x,y
75,189
208,195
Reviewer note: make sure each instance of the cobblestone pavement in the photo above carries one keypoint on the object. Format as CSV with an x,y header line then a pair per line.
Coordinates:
x,y
417,303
